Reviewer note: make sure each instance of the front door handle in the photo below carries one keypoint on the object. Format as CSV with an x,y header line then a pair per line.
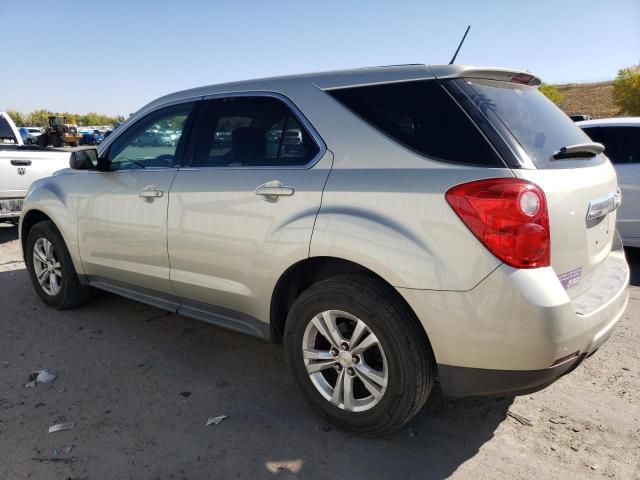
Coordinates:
x,y
151,192
272,191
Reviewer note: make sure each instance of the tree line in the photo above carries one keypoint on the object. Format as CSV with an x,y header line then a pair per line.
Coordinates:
x,y
40,118
626,91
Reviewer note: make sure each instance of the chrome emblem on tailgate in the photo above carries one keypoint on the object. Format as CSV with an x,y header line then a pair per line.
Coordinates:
x,y
22,171
604,205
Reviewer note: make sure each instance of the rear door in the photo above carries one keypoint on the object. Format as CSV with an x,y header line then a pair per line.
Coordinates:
x,y
536,129
244,210
623,149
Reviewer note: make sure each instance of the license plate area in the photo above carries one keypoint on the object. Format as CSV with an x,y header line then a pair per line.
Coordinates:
x,y
10,207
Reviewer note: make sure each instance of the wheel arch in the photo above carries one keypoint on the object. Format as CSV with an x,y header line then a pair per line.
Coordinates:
x,y
29,219
305,273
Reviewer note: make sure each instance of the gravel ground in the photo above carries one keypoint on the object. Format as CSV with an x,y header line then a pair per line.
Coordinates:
x,y
139,385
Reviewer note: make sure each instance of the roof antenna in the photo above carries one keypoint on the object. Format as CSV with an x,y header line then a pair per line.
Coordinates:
x,y
461,42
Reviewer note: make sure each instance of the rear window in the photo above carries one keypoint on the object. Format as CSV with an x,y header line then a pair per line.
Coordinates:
x,y
423,117
622,144
535,122
6,132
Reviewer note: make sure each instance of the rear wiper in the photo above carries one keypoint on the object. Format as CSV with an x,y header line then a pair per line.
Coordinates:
x,y
579,150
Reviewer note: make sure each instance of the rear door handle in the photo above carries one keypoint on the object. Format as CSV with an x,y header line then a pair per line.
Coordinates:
x,y
21,163
272,191
151,192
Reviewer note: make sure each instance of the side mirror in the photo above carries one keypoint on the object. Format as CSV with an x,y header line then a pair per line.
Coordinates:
x,y
84,159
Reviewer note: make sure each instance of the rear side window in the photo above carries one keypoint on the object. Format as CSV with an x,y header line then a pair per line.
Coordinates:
x,y
622,144
6,132
423,117
250,132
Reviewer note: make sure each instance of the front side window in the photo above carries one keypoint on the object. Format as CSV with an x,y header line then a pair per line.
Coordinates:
x,y
152,141
622,144
252,131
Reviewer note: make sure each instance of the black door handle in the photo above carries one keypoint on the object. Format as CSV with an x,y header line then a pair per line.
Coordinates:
x,y
21,163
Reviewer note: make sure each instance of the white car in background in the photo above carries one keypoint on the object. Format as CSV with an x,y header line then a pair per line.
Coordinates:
x,y
621,138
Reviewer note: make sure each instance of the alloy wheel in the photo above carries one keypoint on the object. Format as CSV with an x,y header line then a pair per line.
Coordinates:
x,y
47,267
345,360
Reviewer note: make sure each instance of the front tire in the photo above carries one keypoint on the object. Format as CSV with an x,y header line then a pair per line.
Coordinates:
x,y
51,269
359,354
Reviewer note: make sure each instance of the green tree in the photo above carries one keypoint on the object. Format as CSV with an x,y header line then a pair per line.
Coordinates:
x,y
552,93
626,90
39,118
17,117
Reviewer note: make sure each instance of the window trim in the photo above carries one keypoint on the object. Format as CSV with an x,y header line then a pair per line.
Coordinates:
x,y
293,109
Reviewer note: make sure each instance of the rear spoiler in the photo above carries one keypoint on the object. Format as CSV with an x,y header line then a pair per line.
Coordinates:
x,y
489,73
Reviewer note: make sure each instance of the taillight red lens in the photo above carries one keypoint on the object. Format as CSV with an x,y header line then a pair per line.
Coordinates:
x,y
509,216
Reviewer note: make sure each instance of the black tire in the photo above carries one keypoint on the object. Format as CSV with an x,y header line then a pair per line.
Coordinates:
x,y
410,363
44,140
72,293
56,141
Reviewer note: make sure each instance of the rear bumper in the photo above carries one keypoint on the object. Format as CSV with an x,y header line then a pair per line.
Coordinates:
x,y
510,334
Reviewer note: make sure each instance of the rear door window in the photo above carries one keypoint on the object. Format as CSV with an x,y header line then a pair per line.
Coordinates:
x,y
535,122
622,144
423,117
252,131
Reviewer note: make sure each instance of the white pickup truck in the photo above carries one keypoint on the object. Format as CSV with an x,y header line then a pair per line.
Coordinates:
x,y
20,166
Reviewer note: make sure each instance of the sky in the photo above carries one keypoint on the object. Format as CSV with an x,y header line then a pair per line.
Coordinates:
x,y
113,57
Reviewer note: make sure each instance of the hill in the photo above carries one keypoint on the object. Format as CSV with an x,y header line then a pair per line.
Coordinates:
x,y
595,99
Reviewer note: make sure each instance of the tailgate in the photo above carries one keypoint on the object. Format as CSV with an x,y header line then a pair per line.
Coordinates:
x,y
20,168
578,247
538,132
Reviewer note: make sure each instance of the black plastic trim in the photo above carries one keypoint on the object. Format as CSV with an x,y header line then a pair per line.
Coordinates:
x,y
467,382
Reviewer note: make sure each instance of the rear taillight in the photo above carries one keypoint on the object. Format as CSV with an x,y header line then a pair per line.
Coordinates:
x,y
509,216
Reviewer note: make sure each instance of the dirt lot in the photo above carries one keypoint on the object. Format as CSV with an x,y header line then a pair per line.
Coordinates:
x,y
122,367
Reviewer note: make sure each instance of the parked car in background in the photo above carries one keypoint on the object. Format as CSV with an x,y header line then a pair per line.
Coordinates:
x,y
621,138
91,137
580,117
431,221
9,134
30,135
20,165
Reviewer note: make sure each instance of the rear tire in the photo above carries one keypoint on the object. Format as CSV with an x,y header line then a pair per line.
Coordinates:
x,y
51,269
398,366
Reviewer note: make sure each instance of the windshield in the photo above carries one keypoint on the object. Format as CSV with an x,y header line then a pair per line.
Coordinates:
x,y
535,122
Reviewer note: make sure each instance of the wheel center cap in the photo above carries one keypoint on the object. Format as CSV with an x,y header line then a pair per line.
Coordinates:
x,y
344,359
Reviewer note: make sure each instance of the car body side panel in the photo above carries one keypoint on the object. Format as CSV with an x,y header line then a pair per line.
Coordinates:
x,y
384,208
228,246
58,197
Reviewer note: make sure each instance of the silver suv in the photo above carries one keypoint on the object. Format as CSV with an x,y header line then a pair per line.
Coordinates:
x,y
391,225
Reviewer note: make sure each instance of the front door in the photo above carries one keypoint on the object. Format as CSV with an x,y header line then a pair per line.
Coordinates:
x,y
122,221
244,211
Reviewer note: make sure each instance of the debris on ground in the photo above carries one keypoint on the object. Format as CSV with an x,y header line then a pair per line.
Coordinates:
x,y
40,376
519,418
53,460
59,451
595,467
185,394
558,420
60,427
216,420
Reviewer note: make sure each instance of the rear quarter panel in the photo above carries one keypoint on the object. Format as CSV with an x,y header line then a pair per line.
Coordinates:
x,y
384,208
